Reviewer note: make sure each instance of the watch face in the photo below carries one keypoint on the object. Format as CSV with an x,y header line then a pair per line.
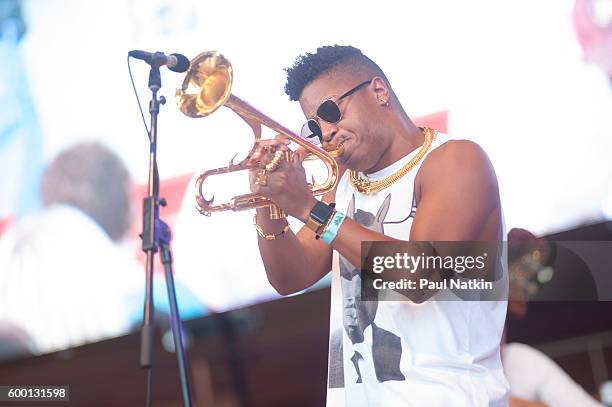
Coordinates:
x,y
321,212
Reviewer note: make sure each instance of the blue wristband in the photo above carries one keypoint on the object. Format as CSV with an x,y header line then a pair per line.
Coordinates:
x,y
332,229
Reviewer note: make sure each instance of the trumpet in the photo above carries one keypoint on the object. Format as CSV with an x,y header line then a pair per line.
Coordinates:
x,y
206,87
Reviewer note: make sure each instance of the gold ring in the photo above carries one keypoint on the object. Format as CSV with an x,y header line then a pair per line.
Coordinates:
x,y
262,178
275,162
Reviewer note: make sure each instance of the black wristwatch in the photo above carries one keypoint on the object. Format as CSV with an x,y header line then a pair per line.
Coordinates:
x,y
319,215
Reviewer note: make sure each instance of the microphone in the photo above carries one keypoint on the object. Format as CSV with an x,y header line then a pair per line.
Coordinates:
x,y
174,62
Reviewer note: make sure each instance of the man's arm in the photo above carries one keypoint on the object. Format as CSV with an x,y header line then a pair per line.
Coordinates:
x,y
293,262
459,196
458,200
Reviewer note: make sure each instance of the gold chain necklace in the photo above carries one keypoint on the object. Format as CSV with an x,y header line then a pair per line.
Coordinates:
x,y
365,186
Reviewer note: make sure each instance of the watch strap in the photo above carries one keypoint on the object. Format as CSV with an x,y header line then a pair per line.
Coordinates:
x,y
319,215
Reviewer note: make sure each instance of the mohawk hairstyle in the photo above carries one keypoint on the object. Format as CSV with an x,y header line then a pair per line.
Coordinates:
x,y
309,66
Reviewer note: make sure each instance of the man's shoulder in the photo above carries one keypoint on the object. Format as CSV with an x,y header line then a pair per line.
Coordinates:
x,y
456,157
456,151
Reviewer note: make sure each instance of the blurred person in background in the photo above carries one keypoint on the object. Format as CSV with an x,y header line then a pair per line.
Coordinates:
x,y
64,279
535,379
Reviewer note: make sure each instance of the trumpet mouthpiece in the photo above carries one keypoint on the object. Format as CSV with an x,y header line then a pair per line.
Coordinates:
x,y
335,150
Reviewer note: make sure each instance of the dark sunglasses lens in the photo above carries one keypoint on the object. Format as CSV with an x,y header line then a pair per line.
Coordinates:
x,y
311,130
329,111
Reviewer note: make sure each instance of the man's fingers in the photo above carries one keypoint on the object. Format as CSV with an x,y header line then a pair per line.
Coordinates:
x,y
283,138
269,155
280,140
270,145
299,155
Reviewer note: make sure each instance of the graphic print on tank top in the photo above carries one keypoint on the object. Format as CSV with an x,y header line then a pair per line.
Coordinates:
x,y
409,354
384,346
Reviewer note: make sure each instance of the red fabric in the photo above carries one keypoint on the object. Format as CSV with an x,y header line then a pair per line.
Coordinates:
x,y
5,223
438,121
173,190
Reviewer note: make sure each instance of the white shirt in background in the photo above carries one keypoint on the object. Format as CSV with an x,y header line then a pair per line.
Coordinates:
x,y
64,281
534,376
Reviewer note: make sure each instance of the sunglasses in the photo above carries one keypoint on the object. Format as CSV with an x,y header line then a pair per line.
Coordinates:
x,y
329,112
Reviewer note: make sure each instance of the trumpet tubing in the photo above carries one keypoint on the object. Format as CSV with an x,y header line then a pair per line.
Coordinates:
x,y
206,87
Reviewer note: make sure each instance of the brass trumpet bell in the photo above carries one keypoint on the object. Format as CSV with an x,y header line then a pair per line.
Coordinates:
x,y
206,87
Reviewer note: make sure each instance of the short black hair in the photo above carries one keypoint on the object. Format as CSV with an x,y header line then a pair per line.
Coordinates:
x,y
309,66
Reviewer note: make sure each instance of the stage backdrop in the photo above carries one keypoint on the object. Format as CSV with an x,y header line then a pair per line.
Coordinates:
x,y
509,75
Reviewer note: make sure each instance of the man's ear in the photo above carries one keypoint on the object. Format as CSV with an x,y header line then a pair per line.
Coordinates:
x,y
381,90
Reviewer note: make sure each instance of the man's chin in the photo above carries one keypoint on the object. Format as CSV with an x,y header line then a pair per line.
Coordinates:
x,y
355,162
347,160
343,159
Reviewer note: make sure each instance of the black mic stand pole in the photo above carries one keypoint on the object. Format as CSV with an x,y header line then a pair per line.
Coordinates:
x,y
155,235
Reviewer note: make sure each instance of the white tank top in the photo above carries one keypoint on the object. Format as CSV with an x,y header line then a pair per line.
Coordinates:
x,y
438,353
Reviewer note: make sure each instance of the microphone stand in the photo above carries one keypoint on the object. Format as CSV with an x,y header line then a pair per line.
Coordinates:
x,y
156,235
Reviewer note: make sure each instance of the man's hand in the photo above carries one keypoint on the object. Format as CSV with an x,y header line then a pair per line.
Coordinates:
x,y
286,184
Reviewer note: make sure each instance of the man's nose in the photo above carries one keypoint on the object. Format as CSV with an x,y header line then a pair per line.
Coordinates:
x,y
328,130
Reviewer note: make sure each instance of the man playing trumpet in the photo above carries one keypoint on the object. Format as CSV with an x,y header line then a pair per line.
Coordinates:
x,y
400,182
